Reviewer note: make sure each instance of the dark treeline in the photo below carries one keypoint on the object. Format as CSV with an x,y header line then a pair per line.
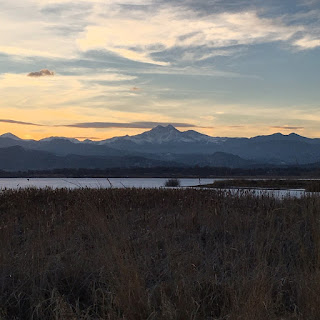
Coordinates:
x,y
177,172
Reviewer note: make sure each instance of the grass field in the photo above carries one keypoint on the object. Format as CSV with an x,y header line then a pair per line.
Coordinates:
x,y
158,254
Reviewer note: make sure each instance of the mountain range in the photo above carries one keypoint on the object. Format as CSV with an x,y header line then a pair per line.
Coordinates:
x,y
161,146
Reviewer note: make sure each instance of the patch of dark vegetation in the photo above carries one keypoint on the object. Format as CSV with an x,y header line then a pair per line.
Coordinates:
x,y
158,254
173,182
308,185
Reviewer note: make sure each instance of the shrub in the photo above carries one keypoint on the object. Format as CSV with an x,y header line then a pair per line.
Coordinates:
x,y
172,183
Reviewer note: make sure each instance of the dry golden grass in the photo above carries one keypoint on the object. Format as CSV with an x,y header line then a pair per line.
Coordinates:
x,y
157,254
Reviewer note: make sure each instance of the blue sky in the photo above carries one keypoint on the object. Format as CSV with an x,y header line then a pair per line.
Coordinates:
x,y
225,68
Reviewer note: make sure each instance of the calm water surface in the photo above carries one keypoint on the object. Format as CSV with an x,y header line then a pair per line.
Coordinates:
x,y
74,183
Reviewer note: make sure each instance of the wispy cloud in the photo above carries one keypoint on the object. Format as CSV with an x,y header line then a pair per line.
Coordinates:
x,y
211,31
308,42
20,122
105,24
287,127
105,125
135,125
61,91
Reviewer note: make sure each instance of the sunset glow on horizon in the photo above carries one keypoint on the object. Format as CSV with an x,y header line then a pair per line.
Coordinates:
x,y
95,69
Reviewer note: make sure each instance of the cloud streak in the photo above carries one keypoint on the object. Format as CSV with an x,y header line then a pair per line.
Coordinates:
x,y
287,127
20,122
128,125
106,125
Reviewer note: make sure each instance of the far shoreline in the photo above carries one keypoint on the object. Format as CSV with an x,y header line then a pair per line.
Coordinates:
x,y
171,172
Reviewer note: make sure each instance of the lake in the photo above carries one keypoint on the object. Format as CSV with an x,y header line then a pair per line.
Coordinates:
x,y
74,183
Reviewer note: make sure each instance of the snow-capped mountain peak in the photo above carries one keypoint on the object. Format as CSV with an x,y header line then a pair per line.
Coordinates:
x,y
161,129
159,134
60,138
164,134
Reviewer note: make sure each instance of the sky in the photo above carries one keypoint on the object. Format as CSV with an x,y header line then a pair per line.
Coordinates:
x,y
102,68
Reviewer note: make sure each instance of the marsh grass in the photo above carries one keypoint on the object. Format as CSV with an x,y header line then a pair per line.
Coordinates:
x,y
158,254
